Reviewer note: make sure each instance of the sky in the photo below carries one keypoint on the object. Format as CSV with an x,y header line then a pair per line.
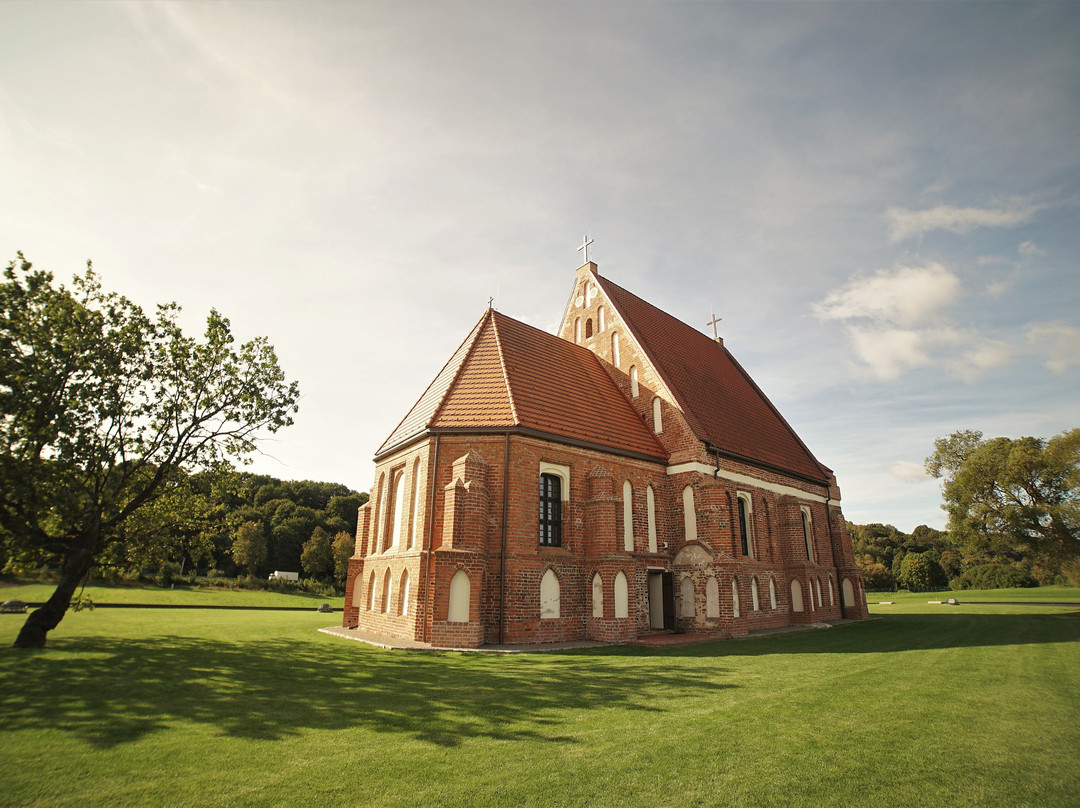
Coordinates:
x,y
881,200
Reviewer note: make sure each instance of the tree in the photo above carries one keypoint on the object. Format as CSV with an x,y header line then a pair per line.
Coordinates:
x,y
100,406
317,557
1003,495
920,572
249,546
344,546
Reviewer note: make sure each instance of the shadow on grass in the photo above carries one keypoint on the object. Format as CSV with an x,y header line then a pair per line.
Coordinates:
x,y
110,692
891,633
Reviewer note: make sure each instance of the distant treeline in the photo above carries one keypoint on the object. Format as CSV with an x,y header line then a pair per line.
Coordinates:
x,y
927,560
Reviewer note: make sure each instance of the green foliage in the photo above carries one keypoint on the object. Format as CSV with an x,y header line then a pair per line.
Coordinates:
x,y
1007,496
993,576
344,547
878,577
249,546
317,558
921,572
102,407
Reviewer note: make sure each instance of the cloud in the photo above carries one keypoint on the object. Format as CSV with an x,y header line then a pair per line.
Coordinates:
x,y
904,223
907,471
982,355
904,296
890,353
1060,341
1029,250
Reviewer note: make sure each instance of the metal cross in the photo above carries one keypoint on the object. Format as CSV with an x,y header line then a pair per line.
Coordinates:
x,y
713,323
585,242
490,301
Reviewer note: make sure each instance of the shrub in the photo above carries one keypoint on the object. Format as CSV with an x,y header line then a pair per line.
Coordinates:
x,y
167,573
993,576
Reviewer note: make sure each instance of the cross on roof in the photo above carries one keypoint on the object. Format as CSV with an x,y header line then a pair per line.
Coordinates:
x,y
713,323
585,242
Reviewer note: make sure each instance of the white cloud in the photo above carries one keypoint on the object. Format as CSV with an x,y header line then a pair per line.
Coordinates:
x,y
890,353
903,296
1061,343
983,355
907,471
904,223
1029,250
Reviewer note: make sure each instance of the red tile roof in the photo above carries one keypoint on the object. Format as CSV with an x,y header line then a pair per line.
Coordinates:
x,y
510,375
722,404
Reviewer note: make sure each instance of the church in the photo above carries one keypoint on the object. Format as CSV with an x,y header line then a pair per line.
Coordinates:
x,y
623,478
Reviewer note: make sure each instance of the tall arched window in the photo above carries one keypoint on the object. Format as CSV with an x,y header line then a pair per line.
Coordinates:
x,y
808,533
597,596
622,596
754,601
832,602
650,505
712,598
687,593
398,507
628,516
689,513
550,510
772,594
414,516
376,524
386,592
371,592
658,425
633,381
735,597
796,596
588,328
615,349
745,525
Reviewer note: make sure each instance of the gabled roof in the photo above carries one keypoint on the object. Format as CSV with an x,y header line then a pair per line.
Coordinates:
x,y
721,403
509,375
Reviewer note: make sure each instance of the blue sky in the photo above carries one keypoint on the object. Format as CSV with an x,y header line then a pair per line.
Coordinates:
x,y
880,199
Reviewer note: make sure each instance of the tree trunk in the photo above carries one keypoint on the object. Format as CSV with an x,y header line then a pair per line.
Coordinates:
x,y
45,618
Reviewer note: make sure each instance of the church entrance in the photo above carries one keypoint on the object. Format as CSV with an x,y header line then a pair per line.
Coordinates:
x,y
661,600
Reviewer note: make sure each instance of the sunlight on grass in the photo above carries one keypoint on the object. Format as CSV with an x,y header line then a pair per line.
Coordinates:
x,y
922,706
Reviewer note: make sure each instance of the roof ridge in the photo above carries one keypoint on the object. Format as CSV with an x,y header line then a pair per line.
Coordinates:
x,y
505,369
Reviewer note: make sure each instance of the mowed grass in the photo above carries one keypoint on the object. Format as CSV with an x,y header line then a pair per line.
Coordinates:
x,y
923,706
105,593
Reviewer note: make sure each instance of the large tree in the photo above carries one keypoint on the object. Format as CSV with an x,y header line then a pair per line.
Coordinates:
x,y
1005,495
101,406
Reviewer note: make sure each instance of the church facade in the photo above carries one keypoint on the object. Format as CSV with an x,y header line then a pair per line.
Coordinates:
x,y
622,478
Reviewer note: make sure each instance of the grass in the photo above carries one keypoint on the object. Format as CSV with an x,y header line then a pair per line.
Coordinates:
x,y
1034,594
925,706
105,593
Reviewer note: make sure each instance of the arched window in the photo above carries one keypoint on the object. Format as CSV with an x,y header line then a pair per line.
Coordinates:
x,y
376,525
588,328
600,319
460,596
633,381
597,596
831,601
735,597
808,532
650,505
754,595
371,592
415,512
689,513
712,598
657,424
817,586
399,503
386,592
577,330
550,510
746,525
628,516
403,593
358,593
615,349
687,592
622,596
796,596
772,594
549,596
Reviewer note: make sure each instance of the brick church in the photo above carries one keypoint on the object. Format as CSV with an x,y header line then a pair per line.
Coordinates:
x,y
623,478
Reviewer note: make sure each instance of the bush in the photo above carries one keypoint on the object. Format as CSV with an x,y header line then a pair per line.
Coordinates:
x,y
993,576
167,574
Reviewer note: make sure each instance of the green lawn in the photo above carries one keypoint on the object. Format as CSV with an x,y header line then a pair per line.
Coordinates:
x,y
104,593
924,706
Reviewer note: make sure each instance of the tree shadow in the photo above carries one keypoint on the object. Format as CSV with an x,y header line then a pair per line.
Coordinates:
x,y
891,633
110,691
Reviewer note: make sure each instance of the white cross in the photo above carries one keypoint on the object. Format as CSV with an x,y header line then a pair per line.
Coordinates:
x,y
713,323
586,241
